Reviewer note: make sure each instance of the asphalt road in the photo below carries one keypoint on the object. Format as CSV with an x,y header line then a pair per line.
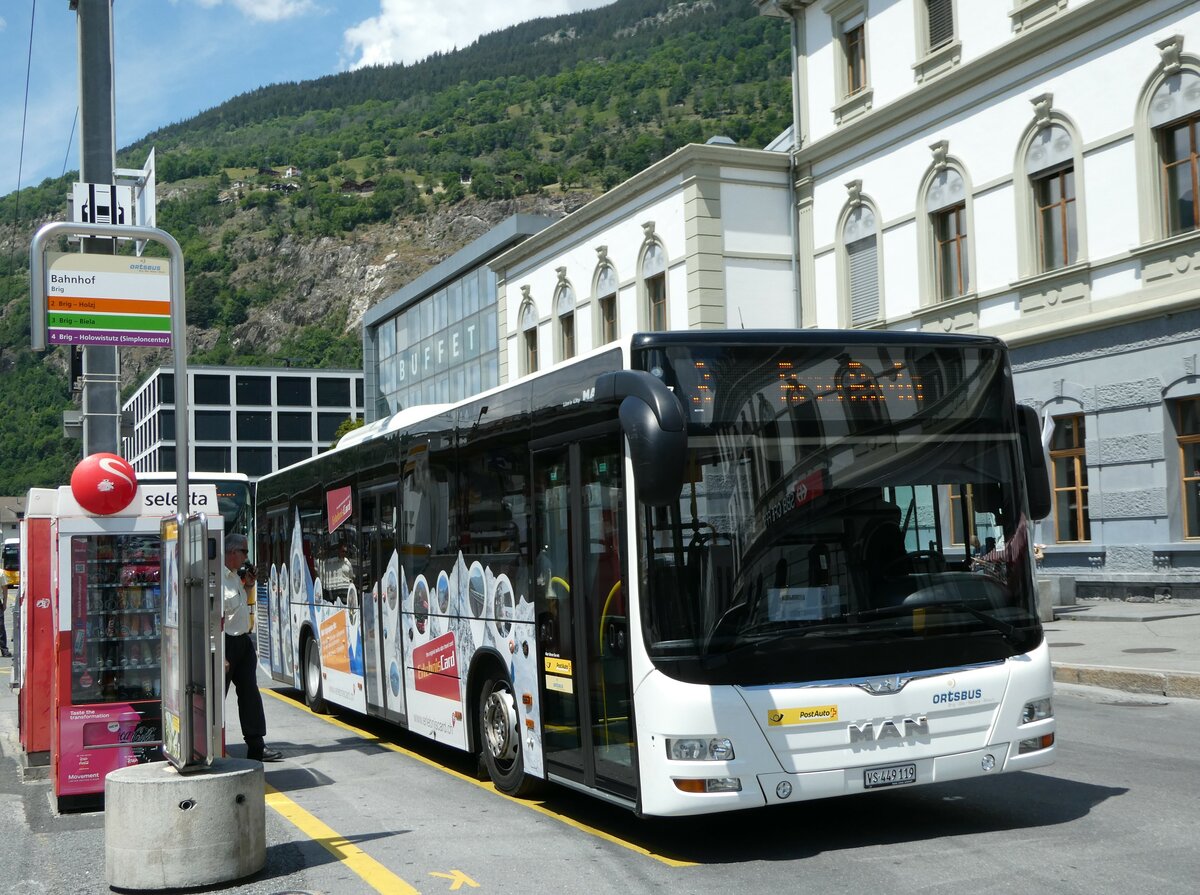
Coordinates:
x,y
358,808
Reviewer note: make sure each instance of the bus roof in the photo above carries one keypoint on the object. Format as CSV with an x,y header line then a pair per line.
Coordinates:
x,y
809,336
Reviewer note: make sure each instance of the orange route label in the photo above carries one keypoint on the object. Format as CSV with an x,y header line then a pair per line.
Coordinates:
x,y
109,305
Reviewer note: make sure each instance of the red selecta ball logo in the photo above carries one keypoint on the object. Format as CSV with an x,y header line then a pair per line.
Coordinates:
x,y
103,484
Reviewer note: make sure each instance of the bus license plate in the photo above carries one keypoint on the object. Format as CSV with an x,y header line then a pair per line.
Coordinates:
x,y
892,775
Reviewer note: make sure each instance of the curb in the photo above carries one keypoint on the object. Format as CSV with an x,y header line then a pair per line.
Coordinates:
x,y
1069,614
1184,684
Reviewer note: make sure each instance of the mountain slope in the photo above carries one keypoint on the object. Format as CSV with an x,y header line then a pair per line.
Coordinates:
x,y
398,167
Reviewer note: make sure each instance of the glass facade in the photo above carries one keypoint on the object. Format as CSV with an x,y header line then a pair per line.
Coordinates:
x,y
294,391
239,418
254,425
254,390
444,347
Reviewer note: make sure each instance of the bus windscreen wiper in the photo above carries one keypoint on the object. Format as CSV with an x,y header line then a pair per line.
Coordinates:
x,y
1006,630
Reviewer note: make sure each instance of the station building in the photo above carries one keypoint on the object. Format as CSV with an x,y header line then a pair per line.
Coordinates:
x,y
1026,169
1020,168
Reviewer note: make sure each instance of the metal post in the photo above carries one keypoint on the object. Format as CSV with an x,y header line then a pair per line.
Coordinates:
x,y
97,158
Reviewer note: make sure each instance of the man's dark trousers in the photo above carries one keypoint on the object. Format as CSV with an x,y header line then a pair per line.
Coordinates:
x,y
243,674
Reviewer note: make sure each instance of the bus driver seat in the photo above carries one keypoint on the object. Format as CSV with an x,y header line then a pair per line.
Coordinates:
x,y
886,559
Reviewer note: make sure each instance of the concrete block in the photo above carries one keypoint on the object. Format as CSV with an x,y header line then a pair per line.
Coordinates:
x,y
1054,590
166,830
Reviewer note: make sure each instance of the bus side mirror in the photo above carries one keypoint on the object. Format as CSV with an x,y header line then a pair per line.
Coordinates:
x,y
1037,474
653,422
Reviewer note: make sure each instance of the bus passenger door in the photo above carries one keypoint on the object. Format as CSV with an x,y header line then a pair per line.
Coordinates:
x,y
582,632
275,558
378,543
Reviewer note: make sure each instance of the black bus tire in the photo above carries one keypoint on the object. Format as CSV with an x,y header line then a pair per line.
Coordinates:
x,y
500,738
314,691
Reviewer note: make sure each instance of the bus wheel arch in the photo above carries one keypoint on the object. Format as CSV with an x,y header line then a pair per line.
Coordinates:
x,y
496,728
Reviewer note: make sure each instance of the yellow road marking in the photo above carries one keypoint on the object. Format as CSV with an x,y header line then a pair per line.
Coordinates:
x,y
484,784
457,877
367,868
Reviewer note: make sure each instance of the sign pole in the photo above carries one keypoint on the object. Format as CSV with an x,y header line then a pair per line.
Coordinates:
x,y
97,157
38,296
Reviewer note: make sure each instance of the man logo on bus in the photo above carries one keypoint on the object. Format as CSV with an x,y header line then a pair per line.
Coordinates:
x,y
888,729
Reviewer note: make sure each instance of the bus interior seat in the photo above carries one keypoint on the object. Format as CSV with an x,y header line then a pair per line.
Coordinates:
x,y
670,618
886,560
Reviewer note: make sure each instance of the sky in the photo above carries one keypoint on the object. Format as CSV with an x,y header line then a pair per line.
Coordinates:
x,y
175,58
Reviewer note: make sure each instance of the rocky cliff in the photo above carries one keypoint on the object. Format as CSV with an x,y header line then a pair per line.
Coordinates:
x,y
326,278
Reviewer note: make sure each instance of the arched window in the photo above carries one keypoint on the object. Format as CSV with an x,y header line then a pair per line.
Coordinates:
x,y
1069,479
654,284
606,304
1175,119
564,316
860,242
945,238
529,338
1167,140
1049,193
1050,164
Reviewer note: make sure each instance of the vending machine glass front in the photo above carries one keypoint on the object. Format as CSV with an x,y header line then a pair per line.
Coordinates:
x,y
115,643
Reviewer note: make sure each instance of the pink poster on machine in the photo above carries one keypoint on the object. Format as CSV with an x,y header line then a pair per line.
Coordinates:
x,y
96,739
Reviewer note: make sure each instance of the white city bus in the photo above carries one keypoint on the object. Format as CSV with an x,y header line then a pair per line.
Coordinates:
x,y
12,562
235,496
695,572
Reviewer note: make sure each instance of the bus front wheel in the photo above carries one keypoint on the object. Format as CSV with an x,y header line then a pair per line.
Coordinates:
x,y
500,736
314,692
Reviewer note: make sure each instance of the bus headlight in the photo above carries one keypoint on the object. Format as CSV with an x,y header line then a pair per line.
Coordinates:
x,y
1037,710
699,749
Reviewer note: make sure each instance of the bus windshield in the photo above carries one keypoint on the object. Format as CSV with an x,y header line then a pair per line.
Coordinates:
x,y
848,510
237,509
12,556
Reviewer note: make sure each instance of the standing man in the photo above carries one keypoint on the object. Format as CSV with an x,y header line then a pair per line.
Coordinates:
x,y
241,659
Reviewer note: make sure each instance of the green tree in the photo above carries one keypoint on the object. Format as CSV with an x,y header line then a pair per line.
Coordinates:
x,y
347,425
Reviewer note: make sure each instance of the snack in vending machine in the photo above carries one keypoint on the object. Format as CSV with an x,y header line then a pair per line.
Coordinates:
x,y
80,645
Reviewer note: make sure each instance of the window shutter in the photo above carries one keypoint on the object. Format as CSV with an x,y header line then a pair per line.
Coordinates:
x,y
864,281
941,22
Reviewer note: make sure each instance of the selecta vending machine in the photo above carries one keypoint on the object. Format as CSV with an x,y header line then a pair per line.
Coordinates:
x,y
106,603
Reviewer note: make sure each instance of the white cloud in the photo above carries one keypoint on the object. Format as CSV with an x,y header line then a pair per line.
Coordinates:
x,y
3,24
266,10
410,30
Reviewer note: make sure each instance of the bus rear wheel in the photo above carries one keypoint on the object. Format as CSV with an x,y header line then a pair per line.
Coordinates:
x,y
500,737
314,691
